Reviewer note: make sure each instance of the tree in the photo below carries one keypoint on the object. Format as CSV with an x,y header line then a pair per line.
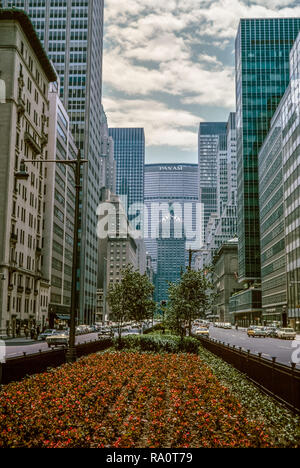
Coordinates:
x,y
131,299
140,293
117,304
189,299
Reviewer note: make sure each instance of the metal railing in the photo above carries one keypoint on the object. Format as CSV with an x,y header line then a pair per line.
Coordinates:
x,y
280,381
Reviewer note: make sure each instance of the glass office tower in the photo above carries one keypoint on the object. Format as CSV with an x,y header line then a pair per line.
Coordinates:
x,y
208,141
168,184
129,144
262,76
171,254
72,34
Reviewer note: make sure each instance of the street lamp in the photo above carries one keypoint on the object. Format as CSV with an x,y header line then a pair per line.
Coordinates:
x,y
76,165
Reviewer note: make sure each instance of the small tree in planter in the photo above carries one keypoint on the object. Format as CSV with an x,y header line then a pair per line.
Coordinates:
x,y
131,299
189,299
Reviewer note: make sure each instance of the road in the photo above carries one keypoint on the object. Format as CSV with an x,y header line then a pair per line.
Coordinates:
x,y
269,347
283,350
18,347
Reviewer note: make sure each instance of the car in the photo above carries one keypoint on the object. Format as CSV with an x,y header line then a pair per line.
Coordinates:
x,y
201,331
286,333
256,332
271,331
61,339
227,326
46,333
105,331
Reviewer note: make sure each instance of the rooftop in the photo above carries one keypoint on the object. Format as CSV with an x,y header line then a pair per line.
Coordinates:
x,y
23,19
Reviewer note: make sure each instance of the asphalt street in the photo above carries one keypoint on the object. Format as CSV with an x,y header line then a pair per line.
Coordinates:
x,y
284,350
20,346
17,347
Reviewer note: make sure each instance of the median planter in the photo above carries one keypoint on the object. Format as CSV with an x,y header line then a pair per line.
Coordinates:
x,y
127,400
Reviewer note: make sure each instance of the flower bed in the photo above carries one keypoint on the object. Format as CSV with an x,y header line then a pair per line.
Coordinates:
x,y
126,399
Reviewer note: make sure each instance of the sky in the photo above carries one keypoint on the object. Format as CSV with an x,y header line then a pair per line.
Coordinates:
x,y
170,64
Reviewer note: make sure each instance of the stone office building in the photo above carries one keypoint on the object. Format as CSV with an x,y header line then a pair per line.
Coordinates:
x,y
225,280
27,72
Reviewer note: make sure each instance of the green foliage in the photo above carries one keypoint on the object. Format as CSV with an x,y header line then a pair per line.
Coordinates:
x,y
131,299
159,344
283,425
155,328
189,299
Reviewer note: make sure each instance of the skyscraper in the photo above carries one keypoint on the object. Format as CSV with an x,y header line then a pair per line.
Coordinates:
x,y
208,140
221,224
279,169
168,184
262,76
170,253
72,35
129,148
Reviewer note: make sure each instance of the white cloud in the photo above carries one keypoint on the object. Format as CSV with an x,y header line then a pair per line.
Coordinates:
x,y
150,48
163,125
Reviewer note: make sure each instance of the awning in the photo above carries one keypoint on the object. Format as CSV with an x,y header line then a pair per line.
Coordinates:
x,y
63,317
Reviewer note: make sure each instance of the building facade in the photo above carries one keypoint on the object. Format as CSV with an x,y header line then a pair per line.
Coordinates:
x,y
72,35
171,258
59,210
129,151
176,185
279,177
262,76
222,224
208,143
117,249
225,279
24,119
291,185
108,172
272,232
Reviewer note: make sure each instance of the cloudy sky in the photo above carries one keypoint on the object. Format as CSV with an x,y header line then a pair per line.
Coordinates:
x,y
169,64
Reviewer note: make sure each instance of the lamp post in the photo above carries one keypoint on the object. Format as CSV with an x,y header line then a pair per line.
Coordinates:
x,y
76,165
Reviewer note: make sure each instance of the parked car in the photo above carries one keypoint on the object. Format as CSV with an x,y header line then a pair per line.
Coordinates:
x,y
201,331
61,339
46,333
286,333
106,331
271,331
227,326
256,332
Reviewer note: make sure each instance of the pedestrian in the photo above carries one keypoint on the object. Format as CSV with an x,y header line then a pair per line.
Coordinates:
x,y
236,326
18,330
32,333
38,330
